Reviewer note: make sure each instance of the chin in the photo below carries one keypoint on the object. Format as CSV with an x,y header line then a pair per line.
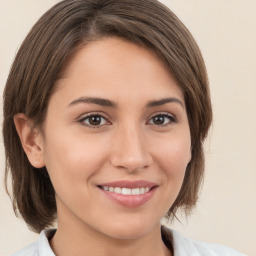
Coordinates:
x,y
129,230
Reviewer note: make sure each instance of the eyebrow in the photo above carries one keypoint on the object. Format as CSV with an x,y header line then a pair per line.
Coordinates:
x,y
109,103
155,103
94,100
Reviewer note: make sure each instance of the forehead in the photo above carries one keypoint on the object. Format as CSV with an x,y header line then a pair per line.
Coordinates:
x,y
116,65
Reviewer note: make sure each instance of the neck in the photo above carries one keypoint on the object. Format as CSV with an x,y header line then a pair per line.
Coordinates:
x,y
80,239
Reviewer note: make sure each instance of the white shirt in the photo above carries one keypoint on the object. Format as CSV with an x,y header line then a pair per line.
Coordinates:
x,y
182,247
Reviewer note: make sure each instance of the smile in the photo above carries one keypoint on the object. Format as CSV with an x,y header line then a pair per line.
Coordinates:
x,y
127,191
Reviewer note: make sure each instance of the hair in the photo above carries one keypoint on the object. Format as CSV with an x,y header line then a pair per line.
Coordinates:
x,y
41,61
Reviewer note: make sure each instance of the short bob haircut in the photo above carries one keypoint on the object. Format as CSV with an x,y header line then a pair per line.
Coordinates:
x,y
41,60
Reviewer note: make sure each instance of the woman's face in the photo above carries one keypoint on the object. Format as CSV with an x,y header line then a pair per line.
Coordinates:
x,y
116,140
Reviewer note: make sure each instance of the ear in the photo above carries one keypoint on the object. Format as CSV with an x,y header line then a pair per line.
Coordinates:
x,y
31,140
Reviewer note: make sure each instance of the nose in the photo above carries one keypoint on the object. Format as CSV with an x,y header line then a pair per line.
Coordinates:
x,y
129,151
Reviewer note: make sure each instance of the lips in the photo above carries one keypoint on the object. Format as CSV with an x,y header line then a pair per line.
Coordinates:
x,y
129,193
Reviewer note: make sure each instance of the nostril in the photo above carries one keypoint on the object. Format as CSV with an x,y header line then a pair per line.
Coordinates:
x,y
131,164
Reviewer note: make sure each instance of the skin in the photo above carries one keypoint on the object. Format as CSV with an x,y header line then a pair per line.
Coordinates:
x,y
127,144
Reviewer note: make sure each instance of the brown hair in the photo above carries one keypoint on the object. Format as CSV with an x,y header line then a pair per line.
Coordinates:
x,y
48,48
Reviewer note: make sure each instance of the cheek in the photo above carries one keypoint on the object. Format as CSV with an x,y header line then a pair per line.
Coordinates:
x,y
174,156
72,159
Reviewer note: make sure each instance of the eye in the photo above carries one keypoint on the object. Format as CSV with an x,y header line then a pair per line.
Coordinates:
x,y
93,120
162,119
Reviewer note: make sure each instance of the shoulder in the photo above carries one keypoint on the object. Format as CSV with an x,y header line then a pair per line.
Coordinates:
x,y
184,246
30,250
40,247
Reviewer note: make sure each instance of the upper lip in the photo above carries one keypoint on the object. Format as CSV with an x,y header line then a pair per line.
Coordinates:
x,y
129,184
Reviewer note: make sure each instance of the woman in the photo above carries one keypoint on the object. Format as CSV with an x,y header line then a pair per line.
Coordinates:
x,y
105,111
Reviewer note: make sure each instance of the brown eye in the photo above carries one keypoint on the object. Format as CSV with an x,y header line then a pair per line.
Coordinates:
x,y
159,120
94,120
162,119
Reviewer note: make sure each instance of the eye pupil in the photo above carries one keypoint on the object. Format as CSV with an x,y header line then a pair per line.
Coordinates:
x,y
159,119
95,120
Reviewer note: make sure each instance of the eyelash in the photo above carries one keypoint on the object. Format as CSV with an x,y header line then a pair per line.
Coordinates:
x,y
172,120
82,120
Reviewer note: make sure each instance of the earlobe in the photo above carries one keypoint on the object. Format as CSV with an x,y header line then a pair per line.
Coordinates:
x,y
31,140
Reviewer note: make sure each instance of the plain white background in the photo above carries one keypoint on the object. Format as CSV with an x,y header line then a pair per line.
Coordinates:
x,y
226,33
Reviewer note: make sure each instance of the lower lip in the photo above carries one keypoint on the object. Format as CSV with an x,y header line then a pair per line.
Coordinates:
x,y
131,201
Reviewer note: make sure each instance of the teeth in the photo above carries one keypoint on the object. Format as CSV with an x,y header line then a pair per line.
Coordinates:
x,y
118,190
142,190
135,191
127,191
